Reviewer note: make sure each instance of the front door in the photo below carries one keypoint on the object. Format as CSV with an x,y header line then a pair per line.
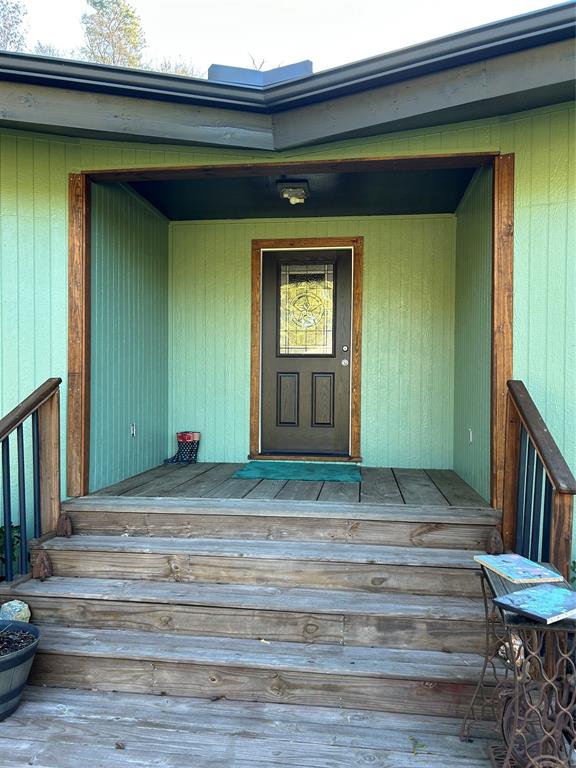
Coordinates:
x,y
306,341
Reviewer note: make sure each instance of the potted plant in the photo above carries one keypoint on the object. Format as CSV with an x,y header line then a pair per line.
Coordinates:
x,y
18,644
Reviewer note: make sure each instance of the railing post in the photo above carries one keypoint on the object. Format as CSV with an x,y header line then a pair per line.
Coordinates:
x,y
511,461
561,532
49,428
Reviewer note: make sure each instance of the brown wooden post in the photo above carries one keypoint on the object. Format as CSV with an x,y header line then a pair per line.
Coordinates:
x,y
511,460
49,429
502,295
78,433
561,532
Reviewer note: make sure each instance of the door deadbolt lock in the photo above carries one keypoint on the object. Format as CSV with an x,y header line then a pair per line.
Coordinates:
x,y
344,348
345,362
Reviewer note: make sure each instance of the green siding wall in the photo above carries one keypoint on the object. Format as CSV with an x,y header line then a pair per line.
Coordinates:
x,y
472,329
407,388
129,335
33,240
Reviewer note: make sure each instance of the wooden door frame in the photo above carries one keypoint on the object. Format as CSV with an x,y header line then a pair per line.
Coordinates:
x,y
78,406
356,244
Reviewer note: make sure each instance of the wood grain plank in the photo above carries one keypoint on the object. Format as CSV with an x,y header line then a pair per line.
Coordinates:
x,y
392,664
561,532
143,718
334,491
276,528
417,488
247,597
502,316
255,346
49,431
288,508
206,482
356,360
351,165
131,483
266,489
164,484
225,733
252,684
300,490
198,620
233,488
268,550
379,486
78,418
326,722
423,580
457,492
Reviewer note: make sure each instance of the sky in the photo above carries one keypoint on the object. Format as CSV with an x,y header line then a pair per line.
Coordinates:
x,y
277,32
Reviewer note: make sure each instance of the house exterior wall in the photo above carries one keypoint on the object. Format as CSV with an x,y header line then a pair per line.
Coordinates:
x,y
407,388
33,240
472,333
129,345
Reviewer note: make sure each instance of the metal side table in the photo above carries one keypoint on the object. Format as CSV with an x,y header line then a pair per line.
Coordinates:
x,y
527,685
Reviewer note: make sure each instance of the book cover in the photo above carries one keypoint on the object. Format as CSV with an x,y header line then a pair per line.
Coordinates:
x,y
546,603
518,569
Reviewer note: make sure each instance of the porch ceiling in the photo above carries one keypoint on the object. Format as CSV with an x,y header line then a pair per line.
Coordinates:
x,y
373,193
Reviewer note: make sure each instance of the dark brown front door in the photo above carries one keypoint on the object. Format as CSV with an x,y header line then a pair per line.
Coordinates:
x,y
306,340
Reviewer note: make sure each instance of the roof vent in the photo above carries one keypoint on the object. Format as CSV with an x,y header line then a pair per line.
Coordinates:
x,y
254,78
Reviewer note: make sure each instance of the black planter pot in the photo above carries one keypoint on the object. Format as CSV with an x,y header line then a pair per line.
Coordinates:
x,y
15,668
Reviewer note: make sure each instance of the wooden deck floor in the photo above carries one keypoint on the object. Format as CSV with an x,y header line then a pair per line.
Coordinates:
x,y
64,728
378,486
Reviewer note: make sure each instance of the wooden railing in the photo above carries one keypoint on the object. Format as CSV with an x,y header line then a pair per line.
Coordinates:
x,y
539,487
41,410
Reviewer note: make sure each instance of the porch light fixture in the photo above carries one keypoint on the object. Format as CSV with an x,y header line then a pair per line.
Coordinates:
x,y
294,191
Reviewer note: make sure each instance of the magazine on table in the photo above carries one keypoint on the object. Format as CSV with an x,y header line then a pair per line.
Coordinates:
x,y
547,603
518,569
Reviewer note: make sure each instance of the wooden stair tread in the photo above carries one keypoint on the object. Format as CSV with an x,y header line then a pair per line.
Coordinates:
x,y
277,508
173,710
85,725
335,552
344,661
251,597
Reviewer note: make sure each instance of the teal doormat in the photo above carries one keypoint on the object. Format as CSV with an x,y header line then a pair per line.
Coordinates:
x,y
297,470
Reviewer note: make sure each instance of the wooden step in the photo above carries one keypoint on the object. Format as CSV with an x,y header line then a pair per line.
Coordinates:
x,y
78,727
392,680
326,565
246,611
401,525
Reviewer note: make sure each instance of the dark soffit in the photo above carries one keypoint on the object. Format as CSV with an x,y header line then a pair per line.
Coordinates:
x,y
331,194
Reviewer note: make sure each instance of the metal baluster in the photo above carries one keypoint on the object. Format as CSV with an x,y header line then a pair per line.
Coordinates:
x,y
8,570
23,546
547,521
36,473
535,553
528,500
520,500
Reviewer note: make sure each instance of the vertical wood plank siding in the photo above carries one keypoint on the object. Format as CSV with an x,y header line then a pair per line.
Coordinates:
x,y
472,333
408,294
33,241
129,335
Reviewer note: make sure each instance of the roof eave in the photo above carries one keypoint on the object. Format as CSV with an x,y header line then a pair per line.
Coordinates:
x,y
499,38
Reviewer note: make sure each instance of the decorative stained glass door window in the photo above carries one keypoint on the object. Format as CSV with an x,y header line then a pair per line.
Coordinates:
x,y
306,309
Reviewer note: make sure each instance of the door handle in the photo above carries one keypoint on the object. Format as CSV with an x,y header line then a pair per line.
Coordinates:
x,y
345,362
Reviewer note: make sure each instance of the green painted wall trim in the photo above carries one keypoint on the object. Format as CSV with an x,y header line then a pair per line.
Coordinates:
x,y
129,350
407,341
472,333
